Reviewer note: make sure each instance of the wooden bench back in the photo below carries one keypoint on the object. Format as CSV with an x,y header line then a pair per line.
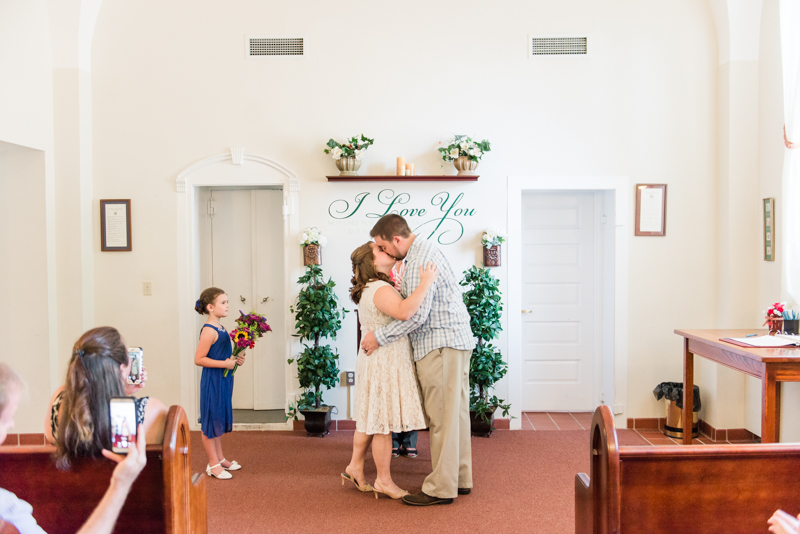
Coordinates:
x,y
161,499
697,488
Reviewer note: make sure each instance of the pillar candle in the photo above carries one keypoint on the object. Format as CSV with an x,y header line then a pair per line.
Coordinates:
x,y
410,169
400,167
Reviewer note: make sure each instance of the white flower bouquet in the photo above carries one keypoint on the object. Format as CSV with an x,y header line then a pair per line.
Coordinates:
x,y
492,237
461,145
352,148
312,236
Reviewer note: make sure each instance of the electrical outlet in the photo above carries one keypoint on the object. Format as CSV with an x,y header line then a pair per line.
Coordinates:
x,y
147,288
351,378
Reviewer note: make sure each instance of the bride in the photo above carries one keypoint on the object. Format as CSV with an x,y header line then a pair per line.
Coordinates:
x,y
387,395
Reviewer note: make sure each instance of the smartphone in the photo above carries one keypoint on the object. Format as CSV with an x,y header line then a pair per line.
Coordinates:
x,y
122,411
136,356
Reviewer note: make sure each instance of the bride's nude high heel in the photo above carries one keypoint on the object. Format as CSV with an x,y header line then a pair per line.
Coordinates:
x,y
399,495
364,488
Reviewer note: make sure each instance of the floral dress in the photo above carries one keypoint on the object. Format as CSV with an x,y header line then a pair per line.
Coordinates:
x,y
387,392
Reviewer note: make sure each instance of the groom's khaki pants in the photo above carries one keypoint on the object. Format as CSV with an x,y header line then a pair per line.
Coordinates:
x,y
443,375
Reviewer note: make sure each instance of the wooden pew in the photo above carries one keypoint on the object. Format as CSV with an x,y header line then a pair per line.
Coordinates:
x,y
684,488
165,498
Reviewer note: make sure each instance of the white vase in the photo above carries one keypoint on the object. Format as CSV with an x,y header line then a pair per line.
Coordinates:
x,y
348,166
465,166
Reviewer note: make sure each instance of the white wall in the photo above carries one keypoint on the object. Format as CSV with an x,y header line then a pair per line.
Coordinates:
x,y
27,202
173,88
23,277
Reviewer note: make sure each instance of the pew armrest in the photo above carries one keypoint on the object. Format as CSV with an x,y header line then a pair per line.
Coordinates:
x,y
198,503
583,504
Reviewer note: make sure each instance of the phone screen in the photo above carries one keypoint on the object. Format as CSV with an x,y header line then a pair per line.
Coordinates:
x,y
123,423
136,356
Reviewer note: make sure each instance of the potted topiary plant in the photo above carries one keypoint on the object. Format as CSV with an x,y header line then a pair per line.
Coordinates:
x,y
318,315
486,366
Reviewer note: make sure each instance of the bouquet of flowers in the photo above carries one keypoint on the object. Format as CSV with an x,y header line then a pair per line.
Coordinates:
x,y
352,148
312,236
461,145
249,327
776,310
492,237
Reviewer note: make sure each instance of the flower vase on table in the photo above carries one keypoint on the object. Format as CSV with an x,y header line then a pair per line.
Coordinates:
x,y
774,318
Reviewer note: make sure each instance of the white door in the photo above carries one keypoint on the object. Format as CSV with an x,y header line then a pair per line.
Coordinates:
x,y
245,230
561,266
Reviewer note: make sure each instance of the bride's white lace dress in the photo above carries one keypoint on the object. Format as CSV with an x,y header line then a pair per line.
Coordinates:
x,y
387,392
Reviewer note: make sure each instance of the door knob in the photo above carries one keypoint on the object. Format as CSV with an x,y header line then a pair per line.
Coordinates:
x,y
242,299
527,311
265,299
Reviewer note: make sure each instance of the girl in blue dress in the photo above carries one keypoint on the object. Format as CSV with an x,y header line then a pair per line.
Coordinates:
x,y
216,391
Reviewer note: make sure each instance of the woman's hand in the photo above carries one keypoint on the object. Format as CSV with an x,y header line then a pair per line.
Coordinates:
x,y
783,523
428,274
130,389
240,359
129,466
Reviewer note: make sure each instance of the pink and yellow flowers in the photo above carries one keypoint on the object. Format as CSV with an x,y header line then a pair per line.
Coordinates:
x,y
249,327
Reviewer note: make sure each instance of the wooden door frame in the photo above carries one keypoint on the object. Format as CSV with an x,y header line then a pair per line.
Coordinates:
x,y
228,170
614,360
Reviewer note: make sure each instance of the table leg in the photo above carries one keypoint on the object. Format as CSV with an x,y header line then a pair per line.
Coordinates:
x,y
770,406
688,392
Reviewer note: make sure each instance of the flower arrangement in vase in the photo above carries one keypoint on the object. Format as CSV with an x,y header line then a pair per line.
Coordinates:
x,y
312,242
465,153
491,240
348,154
775,317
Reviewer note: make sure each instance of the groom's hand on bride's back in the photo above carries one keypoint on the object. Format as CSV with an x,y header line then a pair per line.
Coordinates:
x,y
368,343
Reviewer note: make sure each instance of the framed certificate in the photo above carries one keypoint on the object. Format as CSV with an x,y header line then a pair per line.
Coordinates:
x,y
115,225
651,209
769,229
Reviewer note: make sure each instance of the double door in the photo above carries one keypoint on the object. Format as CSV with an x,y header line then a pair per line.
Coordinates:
x,y
242,253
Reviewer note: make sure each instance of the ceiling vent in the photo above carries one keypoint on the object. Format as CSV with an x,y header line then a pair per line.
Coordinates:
x,y
557,46
260,47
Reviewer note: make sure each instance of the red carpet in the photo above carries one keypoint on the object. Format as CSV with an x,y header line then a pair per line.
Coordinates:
x,y
523,481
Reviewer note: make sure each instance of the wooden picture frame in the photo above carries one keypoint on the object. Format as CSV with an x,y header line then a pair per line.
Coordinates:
x,y
768,210
115,225
651,210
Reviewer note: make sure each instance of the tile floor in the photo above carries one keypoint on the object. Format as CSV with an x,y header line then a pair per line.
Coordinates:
x,y
582,421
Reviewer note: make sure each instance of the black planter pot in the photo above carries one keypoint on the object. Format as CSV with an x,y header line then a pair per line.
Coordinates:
x,y
480,427
318,423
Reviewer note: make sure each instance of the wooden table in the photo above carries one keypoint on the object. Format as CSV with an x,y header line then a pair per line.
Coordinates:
x,y
772,366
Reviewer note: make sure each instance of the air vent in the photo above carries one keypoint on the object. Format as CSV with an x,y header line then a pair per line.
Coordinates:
x,y
258,47
557,46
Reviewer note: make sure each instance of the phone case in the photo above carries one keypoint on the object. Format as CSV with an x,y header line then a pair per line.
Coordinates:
x,y
122,415
137,362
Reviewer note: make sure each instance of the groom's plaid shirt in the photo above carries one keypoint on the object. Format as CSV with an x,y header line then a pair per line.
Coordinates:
x,y
442,320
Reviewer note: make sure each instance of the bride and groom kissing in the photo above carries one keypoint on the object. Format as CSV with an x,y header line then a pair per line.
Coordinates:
x,y
413,363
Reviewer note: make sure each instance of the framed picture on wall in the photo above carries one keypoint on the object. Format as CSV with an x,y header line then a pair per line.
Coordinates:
x,y
651,209
115,225
769,229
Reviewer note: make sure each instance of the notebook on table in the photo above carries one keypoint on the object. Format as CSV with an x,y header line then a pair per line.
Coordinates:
x,y
764,342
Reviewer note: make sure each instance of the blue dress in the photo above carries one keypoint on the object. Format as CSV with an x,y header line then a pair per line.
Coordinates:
x,y
216,391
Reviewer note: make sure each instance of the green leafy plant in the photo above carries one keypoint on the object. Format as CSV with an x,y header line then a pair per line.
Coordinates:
x,y
351,148
461,145
318,315
486,367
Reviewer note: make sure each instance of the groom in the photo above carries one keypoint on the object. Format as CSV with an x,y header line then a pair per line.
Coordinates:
x,y
443,343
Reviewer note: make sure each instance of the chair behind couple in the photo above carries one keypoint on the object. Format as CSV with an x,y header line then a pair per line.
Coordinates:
x,y
391,395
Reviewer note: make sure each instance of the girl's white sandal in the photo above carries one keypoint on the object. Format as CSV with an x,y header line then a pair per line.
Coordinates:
x,y
234,465
222,476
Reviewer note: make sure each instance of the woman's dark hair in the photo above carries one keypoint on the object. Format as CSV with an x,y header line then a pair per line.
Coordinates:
x,y
93,377
364,271
208,296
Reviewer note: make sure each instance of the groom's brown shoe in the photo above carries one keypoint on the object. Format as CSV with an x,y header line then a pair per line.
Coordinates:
x,y
423,499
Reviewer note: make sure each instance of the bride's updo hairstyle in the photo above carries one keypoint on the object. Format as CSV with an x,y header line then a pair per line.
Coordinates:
x,y
364,271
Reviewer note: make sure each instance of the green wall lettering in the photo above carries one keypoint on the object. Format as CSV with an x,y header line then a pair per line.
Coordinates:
x,y
446,229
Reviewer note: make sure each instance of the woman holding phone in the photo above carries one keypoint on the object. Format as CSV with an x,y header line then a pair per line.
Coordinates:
x,y
78,420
